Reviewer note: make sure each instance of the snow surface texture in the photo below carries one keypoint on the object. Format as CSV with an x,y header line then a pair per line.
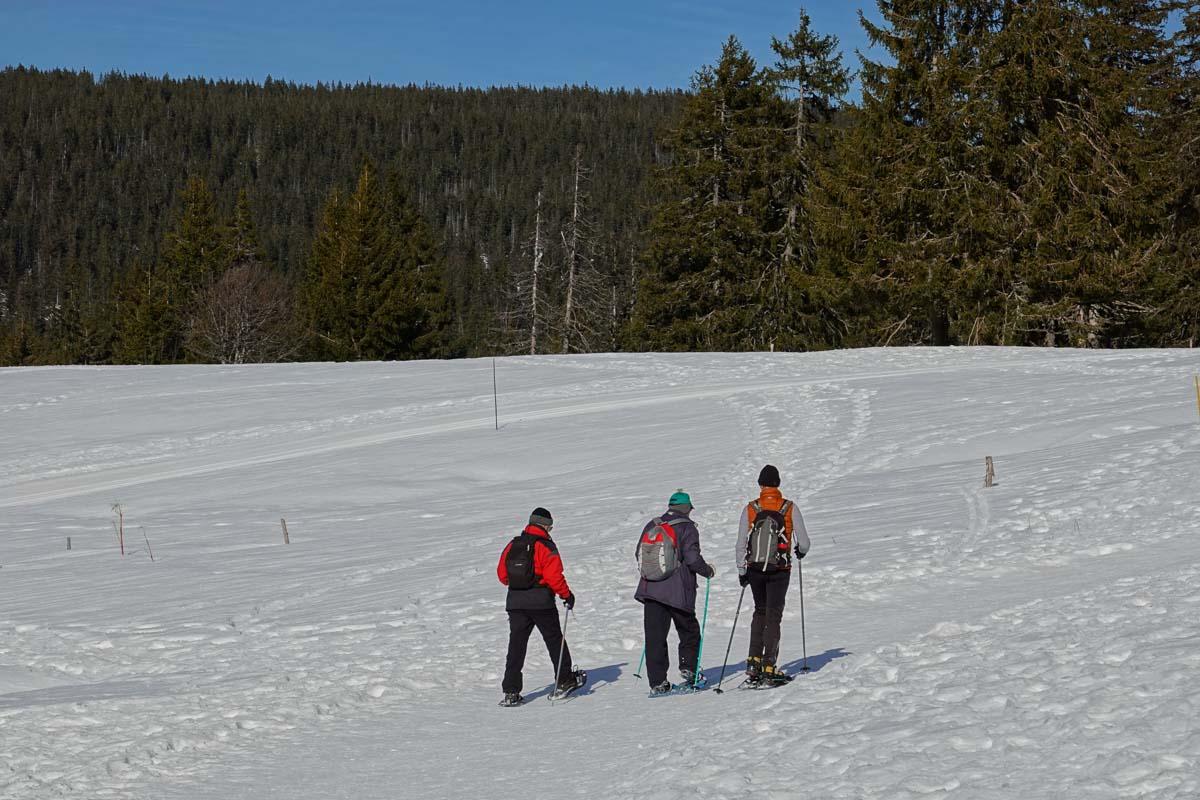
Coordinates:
x,y
1037,639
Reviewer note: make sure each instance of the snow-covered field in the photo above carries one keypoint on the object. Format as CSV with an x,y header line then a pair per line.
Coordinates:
x,y
1038,639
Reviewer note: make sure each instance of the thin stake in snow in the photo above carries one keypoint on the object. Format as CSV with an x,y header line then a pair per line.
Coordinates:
x,y
119,525
283,524
68,542
148,548
989,475
495,395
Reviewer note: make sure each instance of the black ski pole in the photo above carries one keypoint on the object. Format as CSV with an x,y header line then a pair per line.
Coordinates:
x,y
803,635
562,649
737,614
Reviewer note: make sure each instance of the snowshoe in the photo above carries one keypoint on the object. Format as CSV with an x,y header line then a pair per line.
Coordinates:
x,y
575,681
662,689
512,699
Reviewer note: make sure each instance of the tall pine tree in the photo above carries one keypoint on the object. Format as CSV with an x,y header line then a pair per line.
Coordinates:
x,y
375,288
708,265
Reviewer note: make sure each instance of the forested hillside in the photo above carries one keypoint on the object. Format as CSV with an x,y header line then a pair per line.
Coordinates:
x,y
93,175
1017,172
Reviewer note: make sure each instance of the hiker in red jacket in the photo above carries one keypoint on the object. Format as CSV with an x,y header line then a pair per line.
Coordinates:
x,y
533,572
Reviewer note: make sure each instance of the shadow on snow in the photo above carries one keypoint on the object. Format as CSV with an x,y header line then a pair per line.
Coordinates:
x,y
599,677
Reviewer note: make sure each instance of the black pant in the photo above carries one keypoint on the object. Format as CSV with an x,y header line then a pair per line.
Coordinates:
x,y
658,623
770,594
520,625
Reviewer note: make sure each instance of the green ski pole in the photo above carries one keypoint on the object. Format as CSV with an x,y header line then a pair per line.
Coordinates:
x,y
703,624
641,661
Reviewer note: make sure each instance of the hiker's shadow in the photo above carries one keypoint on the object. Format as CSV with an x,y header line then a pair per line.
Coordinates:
x,y
597,677
815,663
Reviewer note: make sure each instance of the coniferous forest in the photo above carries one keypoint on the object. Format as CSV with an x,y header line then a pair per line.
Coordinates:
x,y
1019,172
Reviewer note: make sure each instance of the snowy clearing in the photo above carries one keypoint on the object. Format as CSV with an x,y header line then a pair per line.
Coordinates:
x,y
1037,639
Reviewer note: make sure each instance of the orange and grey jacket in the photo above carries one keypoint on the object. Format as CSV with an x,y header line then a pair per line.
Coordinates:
x,y
771,499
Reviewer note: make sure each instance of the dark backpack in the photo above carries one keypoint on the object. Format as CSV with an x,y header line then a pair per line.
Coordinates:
x,y
767,545
658,551
520,561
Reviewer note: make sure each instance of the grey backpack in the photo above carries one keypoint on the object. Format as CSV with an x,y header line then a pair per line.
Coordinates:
x,y
767,545
658,551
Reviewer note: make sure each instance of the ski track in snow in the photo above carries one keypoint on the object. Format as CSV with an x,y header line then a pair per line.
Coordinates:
x,y
1036,639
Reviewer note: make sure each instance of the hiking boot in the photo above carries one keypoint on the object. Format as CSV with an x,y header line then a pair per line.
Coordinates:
x,y
576,679
512,699
753,668
662,688
773,676
691,679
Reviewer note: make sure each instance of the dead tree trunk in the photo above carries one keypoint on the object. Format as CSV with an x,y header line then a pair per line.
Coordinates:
x,y
572,243
537,267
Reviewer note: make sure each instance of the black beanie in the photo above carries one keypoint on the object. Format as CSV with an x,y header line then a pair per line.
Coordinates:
x,y
541,517
769,477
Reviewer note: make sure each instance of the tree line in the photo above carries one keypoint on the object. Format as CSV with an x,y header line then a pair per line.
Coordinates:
x,y
1017,172
119,195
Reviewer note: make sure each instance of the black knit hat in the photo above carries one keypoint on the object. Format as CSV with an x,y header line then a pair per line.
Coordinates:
x,y
541,517
769,477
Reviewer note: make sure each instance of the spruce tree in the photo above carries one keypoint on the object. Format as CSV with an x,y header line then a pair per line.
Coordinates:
x,y
148,327
1079,92
898,211
809,73
1176,282
156,301
374,288
708,263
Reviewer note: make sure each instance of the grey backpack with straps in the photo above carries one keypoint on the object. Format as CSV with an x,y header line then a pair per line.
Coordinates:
x,y
658,551
767,545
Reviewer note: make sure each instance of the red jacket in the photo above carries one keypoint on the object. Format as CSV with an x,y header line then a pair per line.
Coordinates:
x,y
547,565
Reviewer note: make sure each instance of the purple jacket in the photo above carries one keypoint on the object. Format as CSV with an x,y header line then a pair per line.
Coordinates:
x,y
679,590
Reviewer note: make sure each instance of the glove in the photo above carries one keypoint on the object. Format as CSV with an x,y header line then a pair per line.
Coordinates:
x,y
569,601
799,555
743,580
712,572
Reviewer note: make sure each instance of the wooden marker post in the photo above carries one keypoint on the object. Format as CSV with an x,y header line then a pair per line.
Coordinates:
x,y
283,524
120,526
989,476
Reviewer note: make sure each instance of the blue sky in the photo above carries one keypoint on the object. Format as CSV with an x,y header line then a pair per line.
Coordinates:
x,y
605,43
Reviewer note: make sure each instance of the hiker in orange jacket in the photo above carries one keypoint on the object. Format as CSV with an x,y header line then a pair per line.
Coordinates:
x,y
771,529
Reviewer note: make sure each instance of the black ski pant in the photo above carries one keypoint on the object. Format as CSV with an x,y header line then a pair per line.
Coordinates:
x,y
520,625
658,623
770,594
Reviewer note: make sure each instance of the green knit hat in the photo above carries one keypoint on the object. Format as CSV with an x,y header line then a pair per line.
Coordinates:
x,y
680,498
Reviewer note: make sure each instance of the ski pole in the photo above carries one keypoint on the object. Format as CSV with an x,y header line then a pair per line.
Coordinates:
x,y
703,625
562,649
737,614
641,661
803,635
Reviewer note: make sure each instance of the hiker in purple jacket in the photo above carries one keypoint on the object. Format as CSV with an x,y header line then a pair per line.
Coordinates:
x,y
673,599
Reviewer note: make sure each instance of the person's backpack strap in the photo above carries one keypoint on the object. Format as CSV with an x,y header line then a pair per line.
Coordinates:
x,y
659,522
547,541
